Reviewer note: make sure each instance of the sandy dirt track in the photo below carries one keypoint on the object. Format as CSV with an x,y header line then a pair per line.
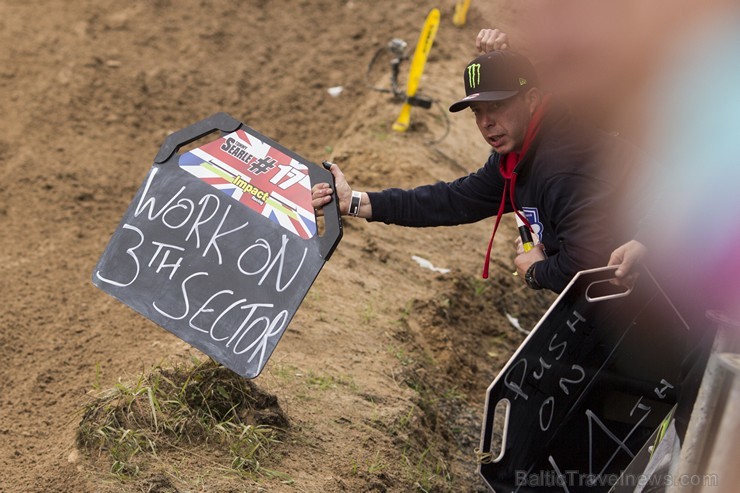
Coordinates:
x,y
89,92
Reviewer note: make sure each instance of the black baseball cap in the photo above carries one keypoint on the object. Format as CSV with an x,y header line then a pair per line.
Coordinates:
x,y
496,76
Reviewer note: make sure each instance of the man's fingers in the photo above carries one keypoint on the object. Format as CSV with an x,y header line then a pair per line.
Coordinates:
x,y
319,187
626,257
491,39
484,41
626,281
338,175
618,282
625,267
323,197
619,273
320,191
615,258
321,194
319,202
624,271
324,191
501,42
479,40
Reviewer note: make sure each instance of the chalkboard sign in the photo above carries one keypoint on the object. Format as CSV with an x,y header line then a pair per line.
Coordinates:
x,y
220,244
586,389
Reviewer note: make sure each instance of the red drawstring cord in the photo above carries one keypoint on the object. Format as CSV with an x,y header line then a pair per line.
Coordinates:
x,y
498,220
511,184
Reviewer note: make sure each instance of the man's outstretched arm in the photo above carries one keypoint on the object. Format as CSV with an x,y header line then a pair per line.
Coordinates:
x,y
466,200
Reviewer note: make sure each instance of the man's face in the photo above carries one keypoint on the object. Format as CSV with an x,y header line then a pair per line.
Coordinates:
x,y
503,124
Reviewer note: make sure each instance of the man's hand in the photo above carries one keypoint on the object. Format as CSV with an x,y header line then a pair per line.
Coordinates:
x,y
491,39
524,260
321,193
626,257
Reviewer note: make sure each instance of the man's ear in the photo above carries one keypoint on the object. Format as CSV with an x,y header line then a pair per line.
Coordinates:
x,y
533,98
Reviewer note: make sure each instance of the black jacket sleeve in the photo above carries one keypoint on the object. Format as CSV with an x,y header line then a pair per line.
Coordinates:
x,y
466,200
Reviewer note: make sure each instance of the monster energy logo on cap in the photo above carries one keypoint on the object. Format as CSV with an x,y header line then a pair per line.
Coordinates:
x,y
495,76
474,75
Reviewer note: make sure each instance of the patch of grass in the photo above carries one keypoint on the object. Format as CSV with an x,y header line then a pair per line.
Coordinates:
x,y
405,420
285,372
407,310
373,466
376,465
420,430
98,373
380,132
452,394
314,295
400,354
198,403
368,314
326,382
322,382
427,470
480,286
423,461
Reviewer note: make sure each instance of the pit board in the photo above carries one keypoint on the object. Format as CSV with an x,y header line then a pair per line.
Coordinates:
x,y
586,389
220,244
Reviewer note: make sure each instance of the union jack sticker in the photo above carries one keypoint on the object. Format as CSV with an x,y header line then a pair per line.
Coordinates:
x,y
258,175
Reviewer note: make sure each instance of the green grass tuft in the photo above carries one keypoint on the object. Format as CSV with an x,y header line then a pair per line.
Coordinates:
x,y
201,403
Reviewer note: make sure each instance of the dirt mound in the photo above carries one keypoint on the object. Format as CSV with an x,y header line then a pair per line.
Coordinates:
x,y
460,334
201,405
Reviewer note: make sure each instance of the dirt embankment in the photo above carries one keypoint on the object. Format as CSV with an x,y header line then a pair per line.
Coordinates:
x,y
383,388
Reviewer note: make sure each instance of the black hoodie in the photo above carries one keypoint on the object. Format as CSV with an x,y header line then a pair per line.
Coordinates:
x,y
569,186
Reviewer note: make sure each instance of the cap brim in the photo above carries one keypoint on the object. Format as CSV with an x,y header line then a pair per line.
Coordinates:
x,y
481,96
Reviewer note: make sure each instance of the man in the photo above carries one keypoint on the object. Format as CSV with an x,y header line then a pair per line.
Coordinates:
x,y
680,63
543,162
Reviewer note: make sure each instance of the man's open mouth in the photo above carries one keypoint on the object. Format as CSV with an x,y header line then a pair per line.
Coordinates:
x,y
495,139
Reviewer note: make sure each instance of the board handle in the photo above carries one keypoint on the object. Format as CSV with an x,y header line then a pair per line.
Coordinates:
x,y
500,429
603,289
333,230
219,121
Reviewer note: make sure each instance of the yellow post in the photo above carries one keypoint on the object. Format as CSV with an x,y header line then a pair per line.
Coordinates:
x,y
461,12
423,47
